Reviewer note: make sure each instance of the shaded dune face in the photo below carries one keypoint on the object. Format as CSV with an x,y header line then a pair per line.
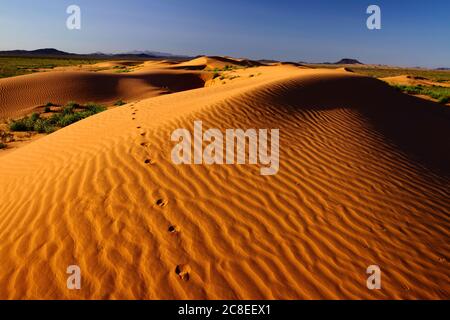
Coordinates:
x,y
20,95
352,191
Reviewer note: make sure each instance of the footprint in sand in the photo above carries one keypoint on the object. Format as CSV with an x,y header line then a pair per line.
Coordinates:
x,y
148,161
161,203
182,270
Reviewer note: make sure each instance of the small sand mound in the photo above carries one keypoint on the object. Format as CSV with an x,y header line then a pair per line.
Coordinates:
x,y
214,62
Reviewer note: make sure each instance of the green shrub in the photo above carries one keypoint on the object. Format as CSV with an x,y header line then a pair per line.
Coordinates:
x,y
444,100
20,125
47,109
119,103
68,119
39,126
68,109
67,116
435,92
35,116
95,108
2,145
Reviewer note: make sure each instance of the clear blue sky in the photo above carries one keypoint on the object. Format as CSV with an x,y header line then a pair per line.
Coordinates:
x,y
414,33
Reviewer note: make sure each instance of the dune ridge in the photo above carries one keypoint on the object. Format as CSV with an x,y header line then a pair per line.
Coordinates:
x,y
353,190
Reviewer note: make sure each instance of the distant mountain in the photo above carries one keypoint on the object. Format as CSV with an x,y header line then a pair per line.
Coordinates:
x,y
154,53
38,52
442,68
342,61
50,52
348,61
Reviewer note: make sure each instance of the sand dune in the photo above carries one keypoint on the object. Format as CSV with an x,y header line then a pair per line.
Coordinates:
x,y
20,95
364,179
213,62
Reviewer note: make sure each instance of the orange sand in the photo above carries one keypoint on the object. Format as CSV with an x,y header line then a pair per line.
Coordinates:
x,y
364,179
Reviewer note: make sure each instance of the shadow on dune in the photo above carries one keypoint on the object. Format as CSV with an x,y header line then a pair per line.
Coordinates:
x,y
419,128
20,95
175,82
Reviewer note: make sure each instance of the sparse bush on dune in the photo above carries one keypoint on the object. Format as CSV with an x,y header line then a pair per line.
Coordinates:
x,y
72,104
2,145
20,125
444,100
441,94
94,107
119,103
65,117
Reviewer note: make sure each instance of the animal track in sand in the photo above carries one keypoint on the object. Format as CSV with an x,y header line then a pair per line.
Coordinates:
x,y
182,270
149,161
161,203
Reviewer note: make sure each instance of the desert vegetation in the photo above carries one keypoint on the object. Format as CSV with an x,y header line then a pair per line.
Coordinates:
x,y
441,94
64,116
16,66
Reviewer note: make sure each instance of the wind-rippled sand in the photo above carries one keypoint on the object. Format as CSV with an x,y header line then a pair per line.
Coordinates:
x,y
363,180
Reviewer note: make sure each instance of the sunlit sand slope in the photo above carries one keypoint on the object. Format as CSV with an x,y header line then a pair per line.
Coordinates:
x,y
363,180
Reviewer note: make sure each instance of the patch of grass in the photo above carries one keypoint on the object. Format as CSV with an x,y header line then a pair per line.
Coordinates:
x,y
119,103
444,100
385,71
123,70
70,113
442,94
16,66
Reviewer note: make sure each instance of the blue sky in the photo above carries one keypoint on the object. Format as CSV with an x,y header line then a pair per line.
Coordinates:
x,y
414,33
